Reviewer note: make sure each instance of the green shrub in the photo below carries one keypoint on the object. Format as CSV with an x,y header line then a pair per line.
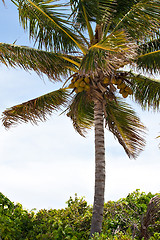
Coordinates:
x,y
73,222
122,220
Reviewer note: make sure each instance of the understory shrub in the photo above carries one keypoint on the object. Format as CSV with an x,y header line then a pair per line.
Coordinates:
x,y
122,220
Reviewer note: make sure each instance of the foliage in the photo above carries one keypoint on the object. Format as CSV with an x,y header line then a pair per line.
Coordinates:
x,y
122,220
15,222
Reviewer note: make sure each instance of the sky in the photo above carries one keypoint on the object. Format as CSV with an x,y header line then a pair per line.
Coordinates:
x,y
42,166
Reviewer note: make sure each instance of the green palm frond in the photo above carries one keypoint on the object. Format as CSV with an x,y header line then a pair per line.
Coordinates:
x,y
96,60
48,25
95,11
149,45
51,64
36,109
141,19
146,91
81,112
149,61
149,56
112,53
122,7
125,126
116,42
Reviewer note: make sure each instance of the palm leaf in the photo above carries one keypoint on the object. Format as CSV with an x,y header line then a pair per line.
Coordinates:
x,y
122,8
113,52
150,218
141,19
81,112
146,91
96,11
51,64
125,126
149,45
116,42
48,26
149,61
36,109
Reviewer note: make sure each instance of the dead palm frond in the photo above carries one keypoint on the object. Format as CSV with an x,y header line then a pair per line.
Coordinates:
x,y
150,217
36,109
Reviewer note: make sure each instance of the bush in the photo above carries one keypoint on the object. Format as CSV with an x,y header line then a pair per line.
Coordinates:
x,y
72,222
122,220
15,223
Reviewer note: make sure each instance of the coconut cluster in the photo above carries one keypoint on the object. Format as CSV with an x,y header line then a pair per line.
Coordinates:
x,y
80,84
124,90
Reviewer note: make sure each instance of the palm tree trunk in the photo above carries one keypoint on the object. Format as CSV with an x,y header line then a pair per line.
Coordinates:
x,y
97,217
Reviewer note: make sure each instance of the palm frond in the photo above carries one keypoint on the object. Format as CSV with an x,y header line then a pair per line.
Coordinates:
x,y
149,45
51,64
113,52
125,126
116,42
96,11
81,112
141,19
151,216
48,25
146,91
72,60
122,7
36,109
149,62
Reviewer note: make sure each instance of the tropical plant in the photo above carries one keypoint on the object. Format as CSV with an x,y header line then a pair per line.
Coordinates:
x,y
133,217
87,44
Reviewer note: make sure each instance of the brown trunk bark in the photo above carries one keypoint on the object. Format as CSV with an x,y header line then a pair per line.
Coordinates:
x,y
97,217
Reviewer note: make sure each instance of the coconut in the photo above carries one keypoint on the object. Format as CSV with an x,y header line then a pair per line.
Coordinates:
x,y
121,91
122,85
87,80
129,90
119,86
82,84
76,84
119,81
125,94
106,80
73,79
114,81
80,89
87,88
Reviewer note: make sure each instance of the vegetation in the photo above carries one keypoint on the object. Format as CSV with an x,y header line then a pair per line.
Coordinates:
x,y
122,220
87,44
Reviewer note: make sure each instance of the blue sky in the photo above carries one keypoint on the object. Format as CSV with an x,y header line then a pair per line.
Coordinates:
x,y
42,166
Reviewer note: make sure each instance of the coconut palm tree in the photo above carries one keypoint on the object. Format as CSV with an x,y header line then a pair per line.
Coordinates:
x,y
87,46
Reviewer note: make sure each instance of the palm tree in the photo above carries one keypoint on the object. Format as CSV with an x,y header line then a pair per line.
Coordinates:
x,y
87,44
